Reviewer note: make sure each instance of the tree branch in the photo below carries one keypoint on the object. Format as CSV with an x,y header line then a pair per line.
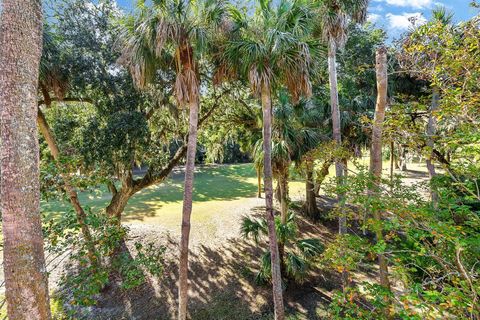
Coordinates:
x,y
69,99
152,177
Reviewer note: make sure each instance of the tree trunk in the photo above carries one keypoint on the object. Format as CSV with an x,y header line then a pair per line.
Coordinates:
x,y
259,182
337,137
283,184
270,217
310,206
403,160
324,171
70,190
431,130
283,190
119,201
187,211
376,154
277,194
392,160
24,260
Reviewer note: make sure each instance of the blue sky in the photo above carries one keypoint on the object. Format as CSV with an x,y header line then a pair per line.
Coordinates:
x,y
393,15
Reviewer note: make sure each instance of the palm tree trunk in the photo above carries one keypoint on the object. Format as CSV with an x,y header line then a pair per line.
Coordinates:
x,y
431,130
283,184
376,153
24,259
187,211
72,193
310,206
392,160
259,183
337,137
267,180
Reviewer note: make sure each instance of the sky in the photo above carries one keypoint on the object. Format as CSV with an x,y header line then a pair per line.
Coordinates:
x,y
393,15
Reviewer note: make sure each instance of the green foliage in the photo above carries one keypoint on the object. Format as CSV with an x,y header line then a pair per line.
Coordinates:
x,y
131,270
445,56
82,282
369,302
345,253
433,250
253,228
300,254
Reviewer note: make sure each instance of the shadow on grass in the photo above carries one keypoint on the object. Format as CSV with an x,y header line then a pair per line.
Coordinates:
x,y
216,182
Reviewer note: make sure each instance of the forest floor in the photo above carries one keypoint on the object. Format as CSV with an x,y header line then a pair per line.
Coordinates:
x,y
223,264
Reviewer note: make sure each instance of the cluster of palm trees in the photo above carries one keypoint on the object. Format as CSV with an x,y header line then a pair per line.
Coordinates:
x,y
275,48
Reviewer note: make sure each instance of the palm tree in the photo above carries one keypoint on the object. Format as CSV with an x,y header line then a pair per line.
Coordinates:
x,y
174,33
334,17
24,260
273,50
294,135
291,140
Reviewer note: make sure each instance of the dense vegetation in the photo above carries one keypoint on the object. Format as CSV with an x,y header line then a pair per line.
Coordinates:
x,y
124,101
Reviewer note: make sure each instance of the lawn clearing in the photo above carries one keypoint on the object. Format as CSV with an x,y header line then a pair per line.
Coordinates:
x,y
221,192
222,195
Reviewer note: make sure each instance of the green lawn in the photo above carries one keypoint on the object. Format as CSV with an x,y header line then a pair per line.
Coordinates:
x,y
216,187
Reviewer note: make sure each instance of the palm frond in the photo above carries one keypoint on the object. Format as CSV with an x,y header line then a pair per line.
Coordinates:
x,y
310,247
296,266
258,154
265,273
253,228
286,231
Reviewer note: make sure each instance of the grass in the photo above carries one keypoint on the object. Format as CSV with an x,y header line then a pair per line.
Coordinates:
x,y
217,188
56,308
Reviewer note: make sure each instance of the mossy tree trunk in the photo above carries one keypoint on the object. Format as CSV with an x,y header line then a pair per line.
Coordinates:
x,y
321,175
310,206
24,259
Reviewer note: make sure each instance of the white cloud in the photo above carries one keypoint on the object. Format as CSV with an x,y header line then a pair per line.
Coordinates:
x,y
378,8
373,17
416,4
405,20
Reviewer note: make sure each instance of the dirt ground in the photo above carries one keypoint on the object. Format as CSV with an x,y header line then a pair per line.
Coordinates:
x,y
222,279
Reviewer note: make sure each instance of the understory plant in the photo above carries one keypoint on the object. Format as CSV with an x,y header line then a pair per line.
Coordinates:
x,y
433,251
81,282
298,254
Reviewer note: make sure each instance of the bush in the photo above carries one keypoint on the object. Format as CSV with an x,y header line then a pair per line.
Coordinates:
x,y
82,282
